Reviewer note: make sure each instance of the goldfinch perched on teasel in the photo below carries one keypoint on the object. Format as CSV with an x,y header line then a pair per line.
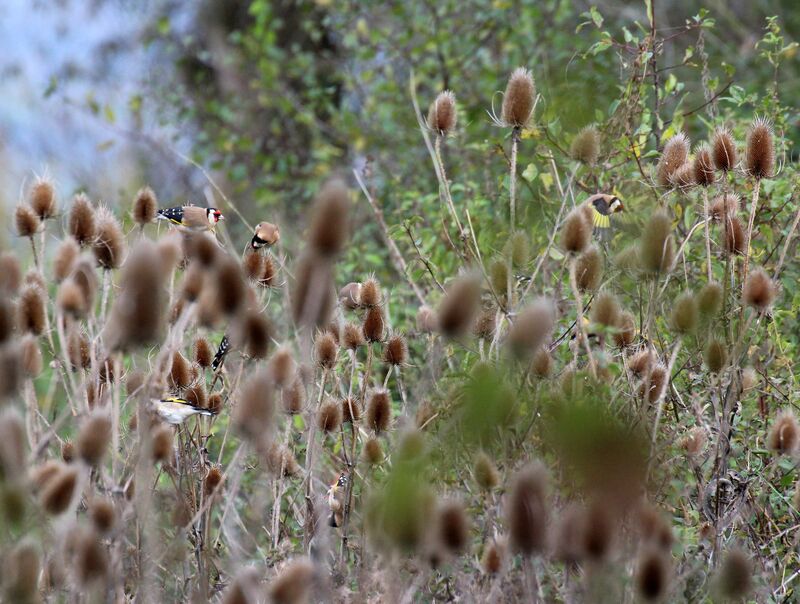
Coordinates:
x,y
335,493
601,206
224,348
192,217
175,410
266,235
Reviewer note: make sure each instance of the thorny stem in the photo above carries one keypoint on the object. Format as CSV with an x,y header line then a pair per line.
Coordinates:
x,y
308,529
579,314
750,223
512,182
708,236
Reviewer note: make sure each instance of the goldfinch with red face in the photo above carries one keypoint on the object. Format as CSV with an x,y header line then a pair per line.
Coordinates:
x,y
175,410
192,217
601,206
266,235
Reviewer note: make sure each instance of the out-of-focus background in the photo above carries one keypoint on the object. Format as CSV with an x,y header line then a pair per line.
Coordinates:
x,y
272,95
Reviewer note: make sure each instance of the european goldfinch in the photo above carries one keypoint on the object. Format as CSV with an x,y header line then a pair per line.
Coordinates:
x,y
175,410
334,502
602,206
224,348
192,217
266,235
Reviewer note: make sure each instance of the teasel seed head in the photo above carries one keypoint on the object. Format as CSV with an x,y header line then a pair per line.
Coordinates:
x,y
27,221
351,410
653,574
253,265
656,244
493,558
58,491
459,306
311,293
576,232
203,355
10,273
330,221
723,150
485,472
103,514
68,451
716,356
269,273
66,255
281,461
202,248
161,444
683,177
90,557
674,155
145,206
527,510
485,325
454,526
31,310
109,243
231,288
293,397
605,310
654,529
759,290
531,328
293,583
370,293
585,146
589,269
32,363
179,373
626,329
442,115
734,237
352,336
724,206
519,99
79,350
373,451
215,402
21,568
10,370
212,480
498,276
395,351
379,411
685,314
542,363
253,334
760,149
750,378
254,410
735,577
709,300
694,441
94,438
282,367
12,445
373,326
42,198
82,220
427,321
784,435
329,416
326,350
703,167
653,387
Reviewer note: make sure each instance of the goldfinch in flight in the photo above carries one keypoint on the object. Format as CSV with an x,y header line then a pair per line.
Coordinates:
x,y
192,217
175,410
266,235
602,206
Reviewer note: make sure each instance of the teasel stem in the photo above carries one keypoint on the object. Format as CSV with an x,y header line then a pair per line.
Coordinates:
x,y
445,187
750,223
310,446
708,235
35,253
104,299
512,178
660,402
279,486
579,315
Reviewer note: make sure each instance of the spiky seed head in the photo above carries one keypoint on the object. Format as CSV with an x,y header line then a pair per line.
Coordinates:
x,y
94,438
293,583
312,291
703,167
90,557
21,568
282,367
518,100
85,277
493,558
34,277
203,355
749,378
352,336
281,461
709,300
197,396
57,492
253,265
427,321
42,198
244,588
82,220
231,289
784,435
145,206
215,402
31,310
161,444
653,574
212,480
485,472
68,451
760,149
531,328
734,236
66,255
12,444
32,363
459,306
351,410
723,150
379,411
253,334
179,374
373,326
485,324
201,247
442,115
425,414
79,350
293,397
329,416
269,273
330,222
109,242
576,232
569,534
598,537
519,248
527,510
370,293
715,356
454,526
694,441
395,351
498,274
724,206
585,146
254,410
605,309
674,155
373,451
589,269
10,273
102,514
735,577
27,221
10,370
653,387
656,246
326,350
759,290
683,177
626,329
685,314
542,363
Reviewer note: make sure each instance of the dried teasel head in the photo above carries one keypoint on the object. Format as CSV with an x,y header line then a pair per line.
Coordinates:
x,y
527,510
454,526
759,290
531,328
486,324
653,574
145,206
66,255
485,472
589,269
585,146
576,232
723,150
760,149
459,306
282,367
395,351
442,115
254,411
352,336
626,329
735,577
784,435
21,567
10,273
683,177
330,223
703,167
694,441
715,355
685,314
82,220
734,236
427,321
374,324
329,416
674,155
379,411
605,309
31,311
724,206
109,242
94,438
656,245
293,583
26,220
325,350
42,198
518,99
